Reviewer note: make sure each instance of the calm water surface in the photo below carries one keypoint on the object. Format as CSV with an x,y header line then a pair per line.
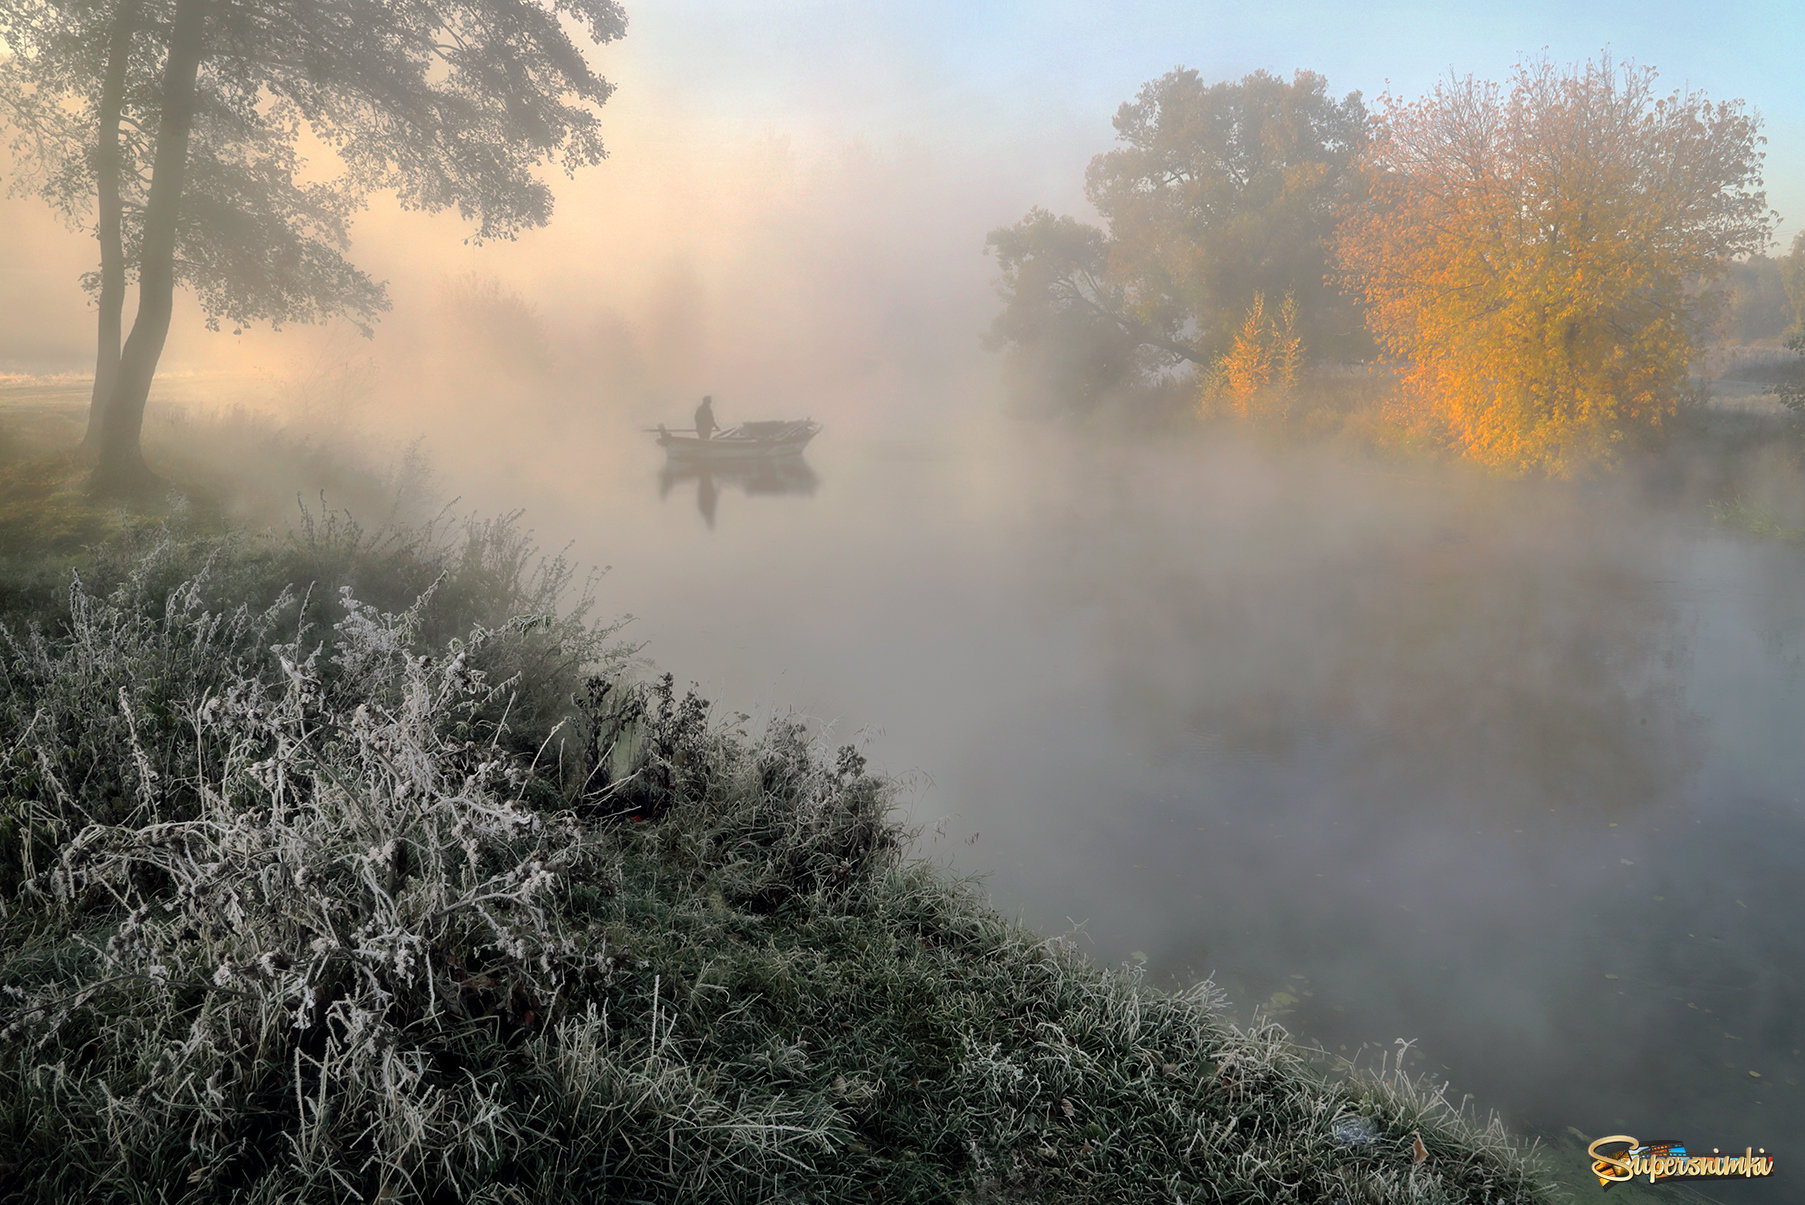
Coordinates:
x,y
1514,771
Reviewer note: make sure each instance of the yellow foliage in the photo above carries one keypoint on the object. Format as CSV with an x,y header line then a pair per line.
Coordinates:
x,y
1255,377
1537,259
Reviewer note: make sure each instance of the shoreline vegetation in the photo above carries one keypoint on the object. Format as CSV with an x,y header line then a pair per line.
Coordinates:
x,y
361,864
1540,264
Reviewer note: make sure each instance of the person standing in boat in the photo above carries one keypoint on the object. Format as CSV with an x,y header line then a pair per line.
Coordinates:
x,y
705,418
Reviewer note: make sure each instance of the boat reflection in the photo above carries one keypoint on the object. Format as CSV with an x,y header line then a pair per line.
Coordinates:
x,y
764,475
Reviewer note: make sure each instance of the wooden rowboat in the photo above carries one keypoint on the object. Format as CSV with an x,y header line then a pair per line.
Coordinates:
x,y
746,441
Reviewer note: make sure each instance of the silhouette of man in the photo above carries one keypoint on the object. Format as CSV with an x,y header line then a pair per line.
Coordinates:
x,y
705,418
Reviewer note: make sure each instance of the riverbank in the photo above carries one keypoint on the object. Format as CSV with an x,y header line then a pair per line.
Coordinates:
x,y
360,863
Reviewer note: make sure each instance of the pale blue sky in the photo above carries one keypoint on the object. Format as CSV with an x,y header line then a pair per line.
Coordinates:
x,y
909,130
1049,74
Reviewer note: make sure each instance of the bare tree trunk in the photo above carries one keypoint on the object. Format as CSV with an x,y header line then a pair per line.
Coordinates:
x,y
107,229
121,464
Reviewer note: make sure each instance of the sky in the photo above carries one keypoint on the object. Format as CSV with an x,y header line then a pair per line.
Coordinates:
x,y
794,179
1048,74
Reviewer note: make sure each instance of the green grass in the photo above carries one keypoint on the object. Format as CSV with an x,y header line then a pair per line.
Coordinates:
x,y
45,507
1564,1154
223,469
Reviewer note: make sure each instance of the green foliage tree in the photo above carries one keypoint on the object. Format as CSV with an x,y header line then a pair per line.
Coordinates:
x,y
177,124
1756,305
1061,314
1214,195
1790,388
1218,193
1792,278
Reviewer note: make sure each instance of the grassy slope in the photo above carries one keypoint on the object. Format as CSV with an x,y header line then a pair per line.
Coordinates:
x,y
296,910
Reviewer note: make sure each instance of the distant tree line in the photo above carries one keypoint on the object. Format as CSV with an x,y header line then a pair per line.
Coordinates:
x,y
1759,306
1540,262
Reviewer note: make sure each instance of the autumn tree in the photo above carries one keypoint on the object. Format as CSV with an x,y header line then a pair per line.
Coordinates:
x,y
1539,259
1254,378
177,124
1214,194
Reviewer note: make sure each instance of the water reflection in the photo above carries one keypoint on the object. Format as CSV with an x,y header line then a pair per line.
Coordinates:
x,y
1511,769
1507,770
775,475
1468,664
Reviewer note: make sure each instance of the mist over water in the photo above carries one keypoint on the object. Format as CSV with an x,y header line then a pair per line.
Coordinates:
x,y
1508,769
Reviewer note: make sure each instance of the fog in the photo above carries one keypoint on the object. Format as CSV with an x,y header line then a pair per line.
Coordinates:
x,y
1509,769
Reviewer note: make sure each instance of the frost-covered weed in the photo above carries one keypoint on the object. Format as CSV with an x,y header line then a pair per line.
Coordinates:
x,y
335,898
85,711
350,884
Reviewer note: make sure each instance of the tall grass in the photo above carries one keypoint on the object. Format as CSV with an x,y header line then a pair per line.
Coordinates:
x,y
360,867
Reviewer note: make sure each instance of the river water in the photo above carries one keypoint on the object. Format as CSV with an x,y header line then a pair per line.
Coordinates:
x,y
1509,771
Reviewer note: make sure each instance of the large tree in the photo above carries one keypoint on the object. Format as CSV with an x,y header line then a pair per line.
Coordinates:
x,y
1062,317
1216,195
177,124
1538,258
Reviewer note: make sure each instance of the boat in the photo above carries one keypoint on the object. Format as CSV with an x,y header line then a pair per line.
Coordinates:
x,y
746,441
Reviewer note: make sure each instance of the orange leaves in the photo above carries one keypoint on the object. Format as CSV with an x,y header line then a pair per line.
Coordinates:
x,y
1535,257
1261,366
